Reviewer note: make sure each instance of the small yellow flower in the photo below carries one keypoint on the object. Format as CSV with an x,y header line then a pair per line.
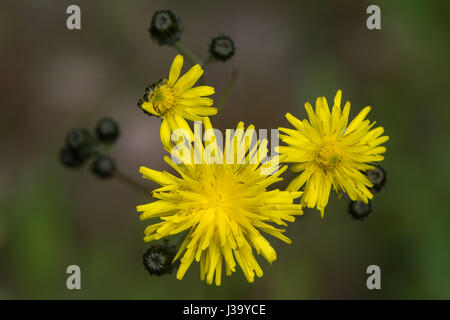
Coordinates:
x,y
175,100
329,153
222,207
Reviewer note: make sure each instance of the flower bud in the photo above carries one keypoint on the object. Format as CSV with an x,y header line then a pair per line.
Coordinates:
x,y
107,130
222,48
360,210
76,139
79,147
378,177
165,28
158,259
69,158
103,166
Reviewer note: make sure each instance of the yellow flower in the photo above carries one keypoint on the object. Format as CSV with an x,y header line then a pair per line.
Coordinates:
x,y
222,207
175,100
330,153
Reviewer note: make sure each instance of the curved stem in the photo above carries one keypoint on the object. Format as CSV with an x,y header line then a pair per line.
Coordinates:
x,y
130,182
187,53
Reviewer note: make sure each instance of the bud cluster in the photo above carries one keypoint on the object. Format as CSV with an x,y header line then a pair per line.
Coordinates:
x,y
166,29
81,145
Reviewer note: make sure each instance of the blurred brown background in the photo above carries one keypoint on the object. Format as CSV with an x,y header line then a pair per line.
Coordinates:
x,y
288,52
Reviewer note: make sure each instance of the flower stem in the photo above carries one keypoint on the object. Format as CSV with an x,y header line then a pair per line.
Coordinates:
x,y
208,60
130,182
223,98
188,53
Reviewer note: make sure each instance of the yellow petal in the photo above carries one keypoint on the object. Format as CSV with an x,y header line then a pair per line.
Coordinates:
x,y
164,133
358,120
148,106
155,209
175,69
181,123
299,181
203,111
200,91
197,102
338,98
162,178
294,121
189,78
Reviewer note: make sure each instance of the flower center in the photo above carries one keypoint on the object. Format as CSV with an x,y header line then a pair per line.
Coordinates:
x,y
221,190
163,99
328,156
224,187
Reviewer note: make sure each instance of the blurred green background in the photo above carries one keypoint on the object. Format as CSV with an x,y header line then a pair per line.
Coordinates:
x,y
288,52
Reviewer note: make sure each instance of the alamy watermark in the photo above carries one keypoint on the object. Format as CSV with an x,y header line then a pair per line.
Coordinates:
x,y
374,280
73,21
374,20
74,280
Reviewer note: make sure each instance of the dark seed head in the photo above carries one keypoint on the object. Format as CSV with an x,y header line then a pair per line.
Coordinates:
x,y
222,48
165,28
107,130
79,147
103,166
378,176
78,138
360,210
86,152
69,158
158,259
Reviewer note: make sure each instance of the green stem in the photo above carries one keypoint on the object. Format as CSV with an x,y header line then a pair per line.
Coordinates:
x,y
207,61
187,53
130,182
223,98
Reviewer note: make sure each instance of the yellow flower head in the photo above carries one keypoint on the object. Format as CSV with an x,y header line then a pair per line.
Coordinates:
x,y
222,207
175,100
329,152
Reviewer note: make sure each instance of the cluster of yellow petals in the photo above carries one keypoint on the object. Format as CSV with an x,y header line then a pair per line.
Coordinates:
x,y
222,207
176,100
330,153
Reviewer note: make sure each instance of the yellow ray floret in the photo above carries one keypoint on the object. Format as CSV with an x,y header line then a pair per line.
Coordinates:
x,y
222,207
330,153
174,99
